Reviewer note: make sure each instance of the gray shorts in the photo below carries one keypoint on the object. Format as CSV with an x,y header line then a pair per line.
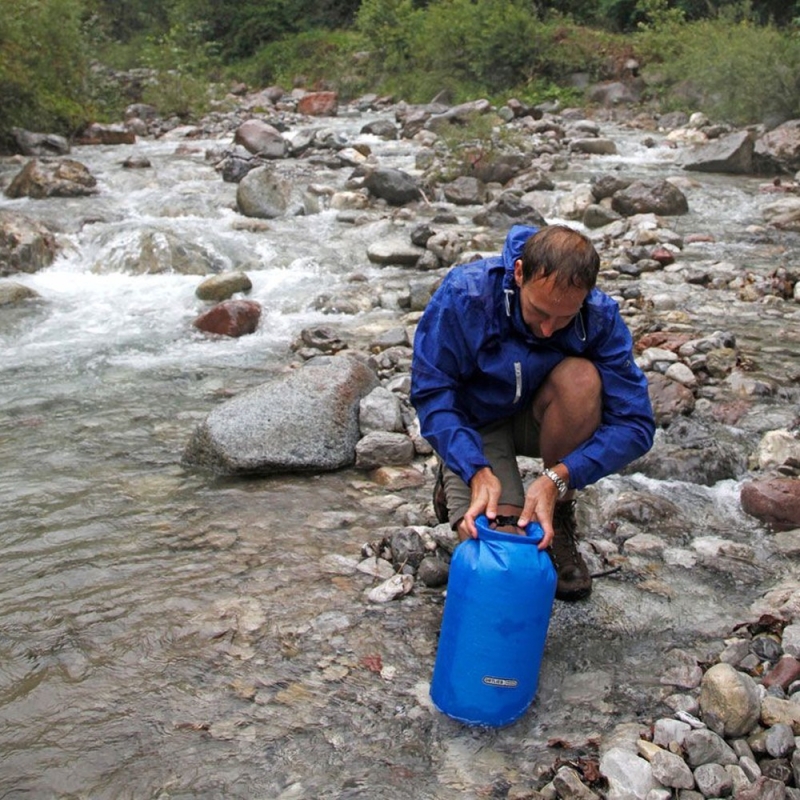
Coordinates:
x,y
503,441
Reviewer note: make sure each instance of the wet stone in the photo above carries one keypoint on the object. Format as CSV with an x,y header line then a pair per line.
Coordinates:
x,y
712,780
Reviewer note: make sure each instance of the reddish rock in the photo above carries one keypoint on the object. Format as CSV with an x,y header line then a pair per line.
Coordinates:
x,y
730,412
663,256
693,238
106,134
230,318
762,788
786,670
670,399
663,339
775,501
319,104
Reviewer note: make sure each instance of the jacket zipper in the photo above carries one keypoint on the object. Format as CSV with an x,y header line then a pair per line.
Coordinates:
x,y
518,380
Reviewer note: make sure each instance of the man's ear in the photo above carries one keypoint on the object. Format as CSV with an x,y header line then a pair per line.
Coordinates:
x,y
518,273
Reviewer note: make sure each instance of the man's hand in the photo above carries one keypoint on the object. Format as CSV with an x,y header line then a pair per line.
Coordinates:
x,y
540,500
486,491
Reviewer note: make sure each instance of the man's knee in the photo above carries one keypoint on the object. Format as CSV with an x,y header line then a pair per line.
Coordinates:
x,y
573,378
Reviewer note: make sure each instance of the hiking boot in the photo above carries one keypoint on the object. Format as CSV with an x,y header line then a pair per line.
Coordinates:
x,y
439,497
574,580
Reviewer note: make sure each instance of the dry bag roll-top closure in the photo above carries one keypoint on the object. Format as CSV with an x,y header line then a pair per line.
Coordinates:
x,y
499,598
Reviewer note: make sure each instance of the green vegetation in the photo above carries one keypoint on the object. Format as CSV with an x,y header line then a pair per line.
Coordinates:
x,y
737,60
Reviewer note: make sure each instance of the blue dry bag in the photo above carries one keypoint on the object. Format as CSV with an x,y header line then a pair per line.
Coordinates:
x,y
499,598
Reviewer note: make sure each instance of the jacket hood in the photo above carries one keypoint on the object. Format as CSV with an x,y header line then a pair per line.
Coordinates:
x,y
514,244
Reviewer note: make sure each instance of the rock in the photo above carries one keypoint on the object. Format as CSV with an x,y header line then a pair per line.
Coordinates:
x,y
763,789
319,104
785,671
98,133
593,146
731,154
671,770
304,421
465,191
703,746
383,128
777,448
13,293
669,398
568,783
779,149
136,162
693,451
63,178
775,501
154,251
230,318
650,197
509,210
396,586
433,571
26,245
261,139
629,776
394,251
222,287
40,144
264,194
380,410
713,780
384,448
392,185
731,699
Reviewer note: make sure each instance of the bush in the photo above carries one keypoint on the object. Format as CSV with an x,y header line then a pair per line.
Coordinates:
x,y
43,66
736,72
319,59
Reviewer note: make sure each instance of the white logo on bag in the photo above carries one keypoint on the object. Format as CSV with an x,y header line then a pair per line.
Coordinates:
x,y
505,683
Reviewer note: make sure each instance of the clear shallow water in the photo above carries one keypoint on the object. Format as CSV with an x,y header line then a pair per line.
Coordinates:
x,y
171,634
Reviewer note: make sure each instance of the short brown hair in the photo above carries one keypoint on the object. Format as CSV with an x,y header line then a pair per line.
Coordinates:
x,y
564,252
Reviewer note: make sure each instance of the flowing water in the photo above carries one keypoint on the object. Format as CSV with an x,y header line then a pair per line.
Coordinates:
x,y
169,634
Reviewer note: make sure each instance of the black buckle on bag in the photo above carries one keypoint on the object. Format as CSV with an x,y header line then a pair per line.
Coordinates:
x,y
501,519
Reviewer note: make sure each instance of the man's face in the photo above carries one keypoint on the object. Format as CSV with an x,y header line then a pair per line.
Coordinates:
x,y
547,308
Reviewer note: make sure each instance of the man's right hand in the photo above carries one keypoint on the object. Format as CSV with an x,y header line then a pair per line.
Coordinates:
x,y
486,489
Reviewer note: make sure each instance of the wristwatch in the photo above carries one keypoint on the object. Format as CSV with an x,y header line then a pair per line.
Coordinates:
x,y
559,482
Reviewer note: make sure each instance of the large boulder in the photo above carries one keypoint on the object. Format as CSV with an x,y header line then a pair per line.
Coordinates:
x,y
31,143
261,138
731,154
650,197
14,293
394,186
232,318
62,178
775,501
305,421
26,245
264,194
779,149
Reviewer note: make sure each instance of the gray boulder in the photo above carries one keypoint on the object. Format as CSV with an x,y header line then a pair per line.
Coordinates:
x,y
731,154
650,197
305,421
779,149
392,185
263,194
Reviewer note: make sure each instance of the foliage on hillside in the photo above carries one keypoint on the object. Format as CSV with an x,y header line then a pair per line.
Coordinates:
x,y
738,60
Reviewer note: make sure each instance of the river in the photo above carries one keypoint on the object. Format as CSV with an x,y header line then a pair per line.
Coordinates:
x,y
171,634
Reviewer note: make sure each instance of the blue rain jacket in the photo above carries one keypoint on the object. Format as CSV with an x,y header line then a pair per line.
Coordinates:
x,y
476,362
